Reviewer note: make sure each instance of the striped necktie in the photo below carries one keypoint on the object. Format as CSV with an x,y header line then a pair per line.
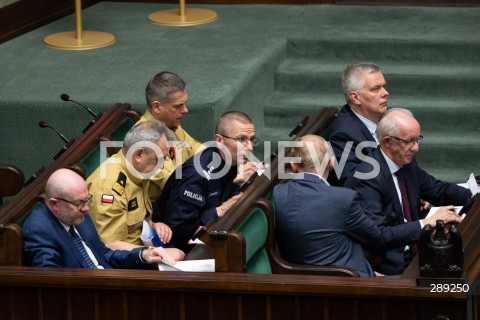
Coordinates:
x,y
81,247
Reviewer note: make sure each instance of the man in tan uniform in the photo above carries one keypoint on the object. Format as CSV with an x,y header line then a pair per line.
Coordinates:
x,y
166,96
119,187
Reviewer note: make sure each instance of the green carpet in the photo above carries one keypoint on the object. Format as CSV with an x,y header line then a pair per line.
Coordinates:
x,y
277,63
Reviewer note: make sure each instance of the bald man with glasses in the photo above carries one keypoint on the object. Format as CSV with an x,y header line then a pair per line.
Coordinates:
x,y
60,233
205,186
391,186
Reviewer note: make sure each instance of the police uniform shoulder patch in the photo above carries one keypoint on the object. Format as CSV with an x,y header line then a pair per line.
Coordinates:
x,y
132,204
193,196
119,185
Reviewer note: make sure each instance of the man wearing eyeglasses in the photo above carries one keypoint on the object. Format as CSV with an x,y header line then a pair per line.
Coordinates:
x,y
205,186
60,233
391,189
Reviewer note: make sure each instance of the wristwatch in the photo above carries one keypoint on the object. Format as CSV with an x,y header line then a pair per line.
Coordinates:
x,y
141,253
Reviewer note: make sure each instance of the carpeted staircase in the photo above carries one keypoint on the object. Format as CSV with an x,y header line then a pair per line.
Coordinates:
x,y
277,63
437,81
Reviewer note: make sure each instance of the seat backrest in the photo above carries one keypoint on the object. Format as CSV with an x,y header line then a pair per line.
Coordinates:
x,y
11,181
254,230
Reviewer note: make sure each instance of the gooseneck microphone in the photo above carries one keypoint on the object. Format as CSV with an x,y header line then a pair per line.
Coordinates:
x,y
44,124
66,97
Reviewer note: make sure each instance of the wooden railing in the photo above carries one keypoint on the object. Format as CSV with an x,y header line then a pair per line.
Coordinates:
x,y
35,293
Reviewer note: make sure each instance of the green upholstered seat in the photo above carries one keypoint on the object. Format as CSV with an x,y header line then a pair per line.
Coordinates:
x,y
254,230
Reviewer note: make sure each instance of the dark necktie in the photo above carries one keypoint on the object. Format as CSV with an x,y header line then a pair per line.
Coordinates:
x,y
406,203
81,247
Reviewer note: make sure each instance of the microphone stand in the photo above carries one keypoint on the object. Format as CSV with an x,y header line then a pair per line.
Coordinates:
x,y
65,147
92,122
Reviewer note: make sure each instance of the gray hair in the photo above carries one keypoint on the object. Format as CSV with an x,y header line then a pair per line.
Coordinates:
x,y
162,86
352,80
150,131
387,126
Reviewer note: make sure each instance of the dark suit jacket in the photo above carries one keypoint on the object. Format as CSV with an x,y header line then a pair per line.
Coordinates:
x,y
379,200
348,127
48,244
317,224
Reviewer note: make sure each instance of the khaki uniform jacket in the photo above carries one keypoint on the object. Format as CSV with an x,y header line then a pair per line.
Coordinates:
x,y
185,147
120,201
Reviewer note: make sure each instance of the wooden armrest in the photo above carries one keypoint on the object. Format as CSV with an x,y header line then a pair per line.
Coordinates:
x,y
280,266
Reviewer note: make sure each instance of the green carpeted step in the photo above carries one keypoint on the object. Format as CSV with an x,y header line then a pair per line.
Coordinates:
x,y
391,50
450,158
310,76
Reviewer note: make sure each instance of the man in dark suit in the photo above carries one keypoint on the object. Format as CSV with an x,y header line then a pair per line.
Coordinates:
x,y
318,224
364,87
59,233
389,201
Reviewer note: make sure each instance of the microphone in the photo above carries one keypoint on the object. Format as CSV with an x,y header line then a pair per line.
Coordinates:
x,y
66,97
44,124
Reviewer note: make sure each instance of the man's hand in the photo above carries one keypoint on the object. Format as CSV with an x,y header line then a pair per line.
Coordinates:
x,y
227,204
447,214
156,255
424,205
164,232
245,170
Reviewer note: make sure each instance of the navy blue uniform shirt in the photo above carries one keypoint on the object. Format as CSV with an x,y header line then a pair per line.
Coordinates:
x,y
191,201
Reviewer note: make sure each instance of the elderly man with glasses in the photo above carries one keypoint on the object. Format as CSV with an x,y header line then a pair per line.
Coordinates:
x,y
391,185
205,186
60,233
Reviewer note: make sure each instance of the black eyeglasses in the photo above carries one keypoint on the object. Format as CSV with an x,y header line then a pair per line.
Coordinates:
x,y
410,143
243,140
80,204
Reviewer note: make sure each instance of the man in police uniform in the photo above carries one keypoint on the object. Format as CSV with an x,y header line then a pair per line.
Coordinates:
x,y
209,180
166,102
119,187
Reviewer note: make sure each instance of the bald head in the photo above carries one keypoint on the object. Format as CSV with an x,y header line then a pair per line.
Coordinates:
x,y
314,154
66,195
62,183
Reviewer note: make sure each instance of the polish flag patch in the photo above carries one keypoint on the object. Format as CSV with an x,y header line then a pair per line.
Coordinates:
x,y
107,198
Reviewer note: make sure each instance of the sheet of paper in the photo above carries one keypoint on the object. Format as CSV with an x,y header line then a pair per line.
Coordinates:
x,y
207,265
472,184
434,209
149,237
196,241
